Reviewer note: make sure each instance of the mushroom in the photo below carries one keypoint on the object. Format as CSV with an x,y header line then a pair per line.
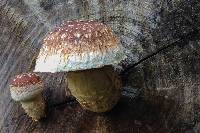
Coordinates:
x,y
27,88
86,50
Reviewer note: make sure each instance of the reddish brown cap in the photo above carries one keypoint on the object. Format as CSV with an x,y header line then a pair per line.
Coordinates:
x,y
79,37
26,86
25,79
79,45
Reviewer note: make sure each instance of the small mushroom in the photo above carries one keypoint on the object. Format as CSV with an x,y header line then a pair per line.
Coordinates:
x,y
27,88
86,50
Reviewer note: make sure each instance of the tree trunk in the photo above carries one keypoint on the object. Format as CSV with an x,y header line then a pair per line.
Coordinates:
x,y
161,91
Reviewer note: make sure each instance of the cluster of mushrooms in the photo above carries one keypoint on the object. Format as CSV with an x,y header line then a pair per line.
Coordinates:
x,y
87,51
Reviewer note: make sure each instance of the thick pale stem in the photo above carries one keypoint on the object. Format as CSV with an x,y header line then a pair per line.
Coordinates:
x,y
35,107
97,90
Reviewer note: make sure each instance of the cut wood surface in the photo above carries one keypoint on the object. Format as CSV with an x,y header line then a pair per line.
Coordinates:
x,y
161,74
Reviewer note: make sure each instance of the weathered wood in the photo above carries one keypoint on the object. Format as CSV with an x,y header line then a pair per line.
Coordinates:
x,y
128,116
170,80
161,39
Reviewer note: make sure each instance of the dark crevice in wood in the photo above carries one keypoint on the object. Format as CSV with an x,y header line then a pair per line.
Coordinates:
x,y
68,101
72,100
195,33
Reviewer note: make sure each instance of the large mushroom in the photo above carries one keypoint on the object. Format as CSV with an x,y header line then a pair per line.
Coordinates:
x,y
86,50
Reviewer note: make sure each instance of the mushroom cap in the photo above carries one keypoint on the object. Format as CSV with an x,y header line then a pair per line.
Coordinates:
x,y
26,86
79,45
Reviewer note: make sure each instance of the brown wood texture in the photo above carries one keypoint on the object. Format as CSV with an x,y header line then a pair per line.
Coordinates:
x,y
161,74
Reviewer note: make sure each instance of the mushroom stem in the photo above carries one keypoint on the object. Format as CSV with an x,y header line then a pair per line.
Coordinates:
x,y
34,107
97,90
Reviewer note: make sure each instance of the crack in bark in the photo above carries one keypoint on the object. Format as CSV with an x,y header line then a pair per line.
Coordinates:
x,y
67,101
72,100
124,74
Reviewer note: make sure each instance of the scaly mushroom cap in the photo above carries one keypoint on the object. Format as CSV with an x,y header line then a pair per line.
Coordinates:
x,y
25,86
79,45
